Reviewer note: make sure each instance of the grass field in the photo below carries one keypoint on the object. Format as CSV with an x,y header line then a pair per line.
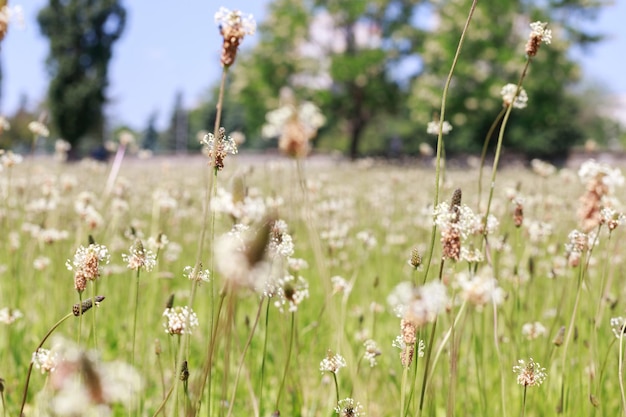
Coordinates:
x,y
301,283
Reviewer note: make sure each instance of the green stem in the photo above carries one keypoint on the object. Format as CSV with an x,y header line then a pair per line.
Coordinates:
x,y
30,367
291,337
496,159
483,154
524,402
132,352
243,355
442,114
263,356
620,369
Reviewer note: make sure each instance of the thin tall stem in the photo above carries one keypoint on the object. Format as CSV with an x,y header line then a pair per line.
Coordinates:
x,y
291,337
442,114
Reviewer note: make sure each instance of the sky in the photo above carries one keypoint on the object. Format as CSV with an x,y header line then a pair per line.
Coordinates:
x,y
165,50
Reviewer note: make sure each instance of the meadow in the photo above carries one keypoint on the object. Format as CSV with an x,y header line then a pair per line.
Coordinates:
x,y
307,290
238,285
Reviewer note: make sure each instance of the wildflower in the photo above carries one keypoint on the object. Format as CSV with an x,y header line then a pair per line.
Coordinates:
x,y
87,264
234,26
38,129
371,352
433,127
8,159
600,182
8,15
480,290
456,222
533,330
10,315
139,257
333,362
61,149
180,320
579,243
197,274
281,242
217,150
407,351
46,360
509,96
41,262
542,168
529,374
618,326
428,301
340,285
538,34
291,291
295,126
560,337
612,218
349,408
415,261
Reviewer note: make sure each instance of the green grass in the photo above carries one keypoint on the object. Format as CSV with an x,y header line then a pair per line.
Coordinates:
x,y
392,203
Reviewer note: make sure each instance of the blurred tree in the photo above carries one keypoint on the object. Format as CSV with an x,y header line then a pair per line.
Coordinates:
x,y
373,65
340,55
492,56
177,135
150,135
81,35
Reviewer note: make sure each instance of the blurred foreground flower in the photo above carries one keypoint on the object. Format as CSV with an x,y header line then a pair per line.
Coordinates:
x,y
294,126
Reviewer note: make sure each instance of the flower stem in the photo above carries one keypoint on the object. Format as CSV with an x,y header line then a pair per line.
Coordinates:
x,y
30,367
442,114
291,337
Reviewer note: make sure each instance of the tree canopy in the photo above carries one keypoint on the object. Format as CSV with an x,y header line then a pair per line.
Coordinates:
x,y
81,35
377,69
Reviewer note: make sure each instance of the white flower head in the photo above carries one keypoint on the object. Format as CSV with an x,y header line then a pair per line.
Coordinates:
x,y
433,127
529,374
45,360
538,30
508,96
180,320
235,19
333,362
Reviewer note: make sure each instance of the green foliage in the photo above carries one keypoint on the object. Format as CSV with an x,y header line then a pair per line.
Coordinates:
x,y
492,56
358,85
81,35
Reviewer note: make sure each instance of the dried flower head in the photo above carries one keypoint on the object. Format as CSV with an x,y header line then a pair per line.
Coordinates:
x,y
234,26
80,309
348,407
510,95
179,320
87,264
538,34
217,150
415,261
197,274
333,362
529,374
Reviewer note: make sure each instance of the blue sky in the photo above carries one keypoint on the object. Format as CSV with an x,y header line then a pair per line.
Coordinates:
x,y
166,49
